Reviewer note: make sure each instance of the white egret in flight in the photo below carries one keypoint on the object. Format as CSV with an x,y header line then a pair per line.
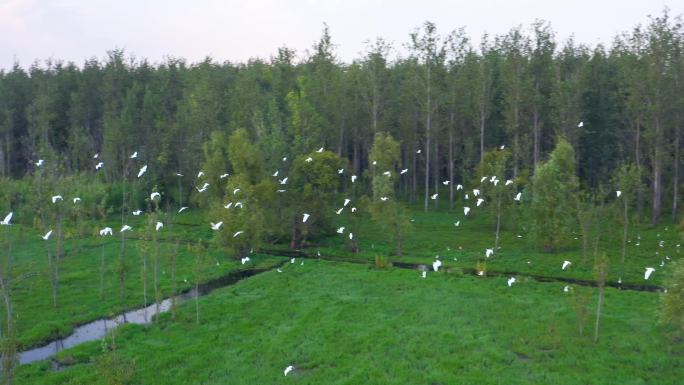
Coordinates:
x,y
158,226
56,198
137,212
649,271
47,235
125,228
142,171
466,210
511,281
566,264
215,226
305,216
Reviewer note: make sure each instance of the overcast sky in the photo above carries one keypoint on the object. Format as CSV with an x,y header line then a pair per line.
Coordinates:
x,y
74,30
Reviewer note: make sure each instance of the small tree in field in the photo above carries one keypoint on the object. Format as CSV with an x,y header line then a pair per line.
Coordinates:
x,y
554,197
672,303
494,164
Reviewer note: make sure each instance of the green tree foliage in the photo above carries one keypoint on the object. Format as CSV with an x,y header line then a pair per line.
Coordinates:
x,y
554,194
672,302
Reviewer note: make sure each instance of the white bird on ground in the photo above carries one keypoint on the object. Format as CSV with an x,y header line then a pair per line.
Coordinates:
x,y
351,236
517,197
142,171
308,160
237,233
204,187
466,210
305,216
99,165
158,226
434,196
457,223
276,173
580,125
483,179
179,174
244,260
200,174
566,264
566,289
137,212
279,271
340,171
466,196
106,231
476,192
346,202
125,228
649,271
238,204
387,173
340,230
76,200
56,198
281,190
446,182
182,209
423,274
339,211
155,195
353,178
229,205
236,191
288,369
436,264
511,281
479,201
224,176
384,198
618,193
375,162
292,260
39,162
320,149
489,252
135,155
283,181
459,187
353,209
47,235
215,226
404,171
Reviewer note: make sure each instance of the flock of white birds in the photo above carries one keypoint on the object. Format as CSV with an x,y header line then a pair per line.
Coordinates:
x,y
156,196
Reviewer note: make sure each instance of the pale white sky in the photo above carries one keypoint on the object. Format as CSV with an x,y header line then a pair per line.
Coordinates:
x,y
74,30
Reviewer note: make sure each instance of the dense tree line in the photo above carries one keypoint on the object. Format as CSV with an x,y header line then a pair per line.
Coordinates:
x,y
447,102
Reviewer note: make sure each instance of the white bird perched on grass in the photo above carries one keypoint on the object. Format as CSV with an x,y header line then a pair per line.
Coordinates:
x,y
292,260
244,260
155,195
56,198
99,165
339,211
517,197
236,191
142,171
320,149
39,162
580,125
215,226
484,178
387,173
466,196
125,228
353,209
76,200
182,209
237,233
649,271
135,155
566,264
200,174
353,178
340,171
351,236
229,205
106,231
476,192
489,252
283,181
511,281
384,198
457,223
158,226
479,201
346,202
618,193
204,187
459,187
340,230
434,196
288,369
238,204
137,212
404,171
47,235
305,216
466,210
423,274
436,264
308,160
276,173
566,289
224,176
446,182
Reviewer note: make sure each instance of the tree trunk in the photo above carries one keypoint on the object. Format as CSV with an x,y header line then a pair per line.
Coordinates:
x,y
675,173
427,134
537,137
598,311
637,157
451,170
435,172
657,175
625,225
